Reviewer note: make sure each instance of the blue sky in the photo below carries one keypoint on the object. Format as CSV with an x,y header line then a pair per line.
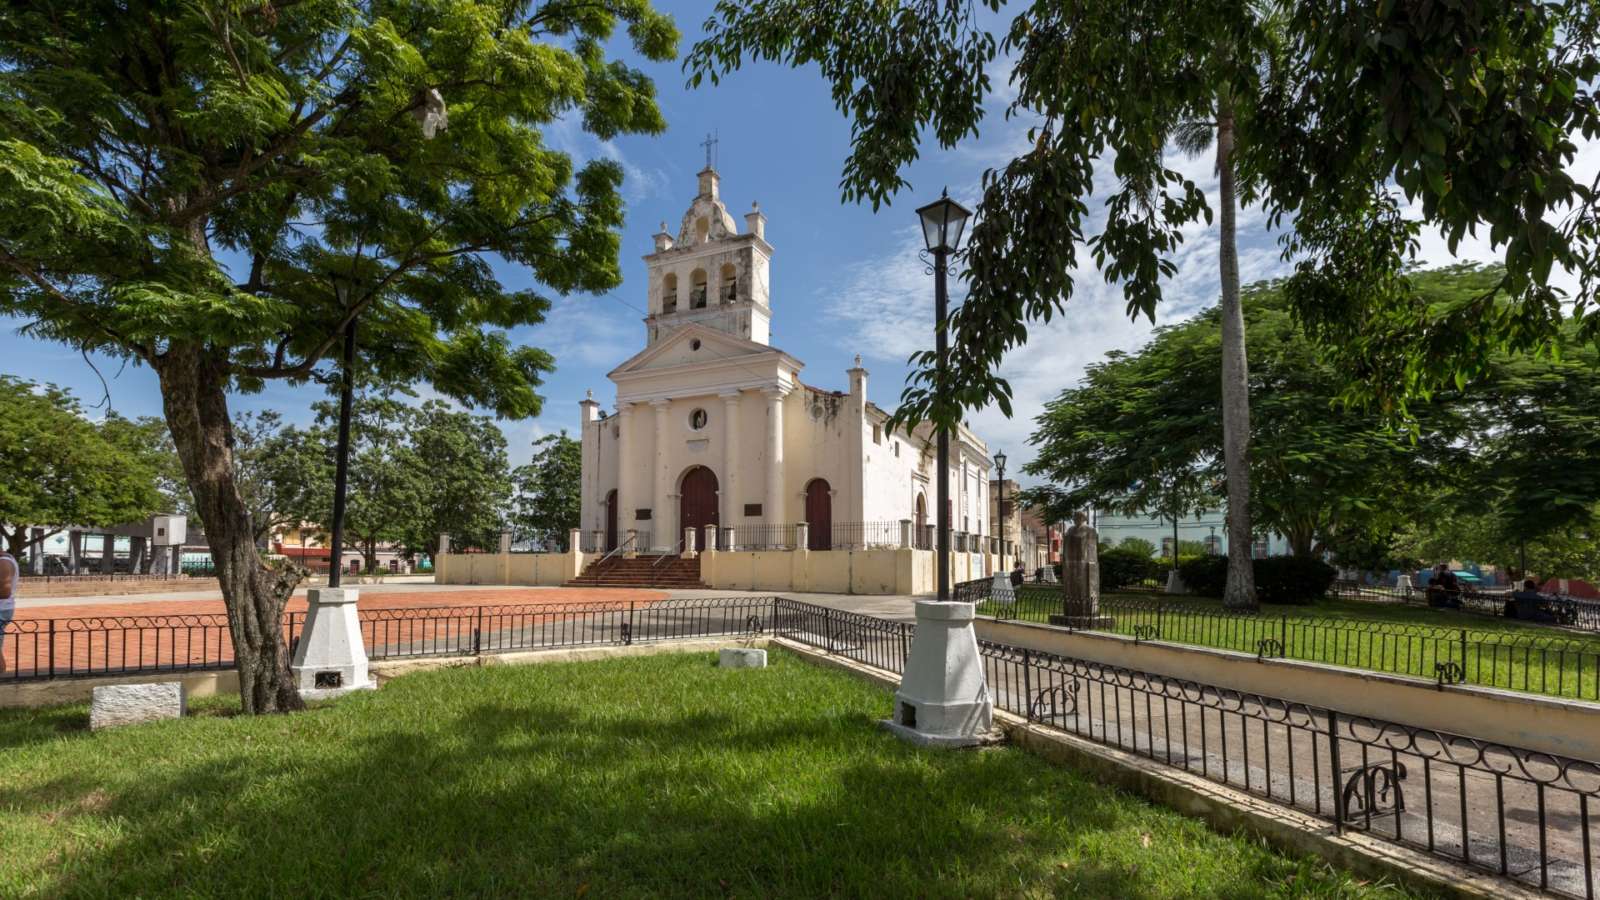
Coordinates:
x,y
845,280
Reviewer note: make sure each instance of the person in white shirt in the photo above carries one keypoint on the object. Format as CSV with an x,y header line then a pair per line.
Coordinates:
x,y
10,574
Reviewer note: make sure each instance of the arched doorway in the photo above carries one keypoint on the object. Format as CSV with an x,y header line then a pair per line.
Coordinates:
x,y
920,538
697,501
819,514
611,521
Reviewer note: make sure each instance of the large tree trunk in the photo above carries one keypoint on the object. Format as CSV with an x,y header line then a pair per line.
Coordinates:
x,y
1241,590
194,395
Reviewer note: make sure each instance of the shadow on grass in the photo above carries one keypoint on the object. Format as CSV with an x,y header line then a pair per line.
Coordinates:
x,y
524,795
21,727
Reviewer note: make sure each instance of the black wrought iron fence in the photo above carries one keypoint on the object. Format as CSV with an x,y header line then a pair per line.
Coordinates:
x,y
42,649
862,535
1520,814
1557,609
880,643
764,537
1536,663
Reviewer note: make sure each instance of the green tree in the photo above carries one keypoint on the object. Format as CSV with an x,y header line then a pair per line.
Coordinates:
x,y
1319,468
546,503
1328,117
278,468
469,476
415,471
221,191
147,438
61,469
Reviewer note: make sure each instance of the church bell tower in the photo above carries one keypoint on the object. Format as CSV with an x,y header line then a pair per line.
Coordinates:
x,y
711,273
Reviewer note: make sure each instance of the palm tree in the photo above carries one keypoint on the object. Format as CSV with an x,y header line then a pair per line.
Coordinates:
x,y
1194,138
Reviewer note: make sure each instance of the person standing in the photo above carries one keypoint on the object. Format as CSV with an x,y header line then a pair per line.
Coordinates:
x,y
10,575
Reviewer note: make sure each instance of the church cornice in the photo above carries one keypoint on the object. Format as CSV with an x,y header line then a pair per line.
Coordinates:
x,y
711,248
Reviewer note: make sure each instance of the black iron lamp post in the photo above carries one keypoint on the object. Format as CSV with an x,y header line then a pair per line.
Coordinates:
x,y
341,454
1000,501
942,224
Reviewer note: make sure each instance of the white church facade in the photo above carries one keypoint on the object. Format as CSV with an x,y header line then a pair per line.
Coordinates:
x,y
712,425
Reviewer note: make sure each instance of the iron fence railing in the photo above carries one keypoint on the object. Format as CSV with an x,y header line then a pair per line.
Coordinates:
x,y
858,535
42,649
1534,663
1569,612
880,643
764,537
1523,815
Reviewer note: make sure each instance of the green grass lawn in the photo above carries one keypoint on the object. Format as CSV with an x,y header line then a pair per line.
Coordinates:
x,y
636,777
1499,652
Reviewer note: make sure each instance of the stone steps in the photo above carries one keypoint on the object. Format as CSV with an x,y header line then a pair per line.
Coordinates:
x,y
641,572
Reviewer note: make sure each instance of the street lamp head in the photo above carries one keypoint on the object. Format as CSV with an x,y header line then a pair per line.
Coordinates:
x,y
1000,461
942,223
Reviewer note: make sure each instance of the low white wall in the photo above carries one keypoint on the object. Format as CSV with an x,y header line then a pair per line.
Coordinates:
x,y
1548,724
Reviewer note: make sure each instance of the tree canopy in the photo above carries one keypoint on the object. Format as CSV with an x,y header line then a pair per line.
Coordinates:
x,y
1507,460
547,499
60,469
1360,123
224,191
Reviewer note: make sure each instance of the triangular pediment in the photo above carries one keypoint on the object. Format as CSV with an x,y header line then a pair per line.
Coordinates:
x,y
694,345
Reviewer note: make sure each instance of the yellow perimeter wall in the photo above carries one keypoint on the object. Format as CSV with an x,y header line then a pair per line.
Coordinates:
x,y
888,571
545,569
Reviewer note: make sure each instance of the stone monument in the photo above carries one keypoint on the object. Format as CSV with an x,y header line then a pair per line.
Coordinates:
x,y
1080,578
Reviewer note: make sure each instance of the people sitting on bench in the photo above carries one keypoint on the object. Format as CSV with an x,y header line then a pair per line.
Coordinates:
x,y
1444,589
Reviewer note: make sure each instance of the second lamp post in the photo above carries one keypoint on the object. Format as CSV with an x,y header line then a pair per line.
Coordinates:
x,y
942,223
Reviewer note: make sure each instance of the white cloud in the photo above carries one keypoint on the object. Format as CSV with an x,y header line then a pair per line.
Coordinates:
x,y
885,306
639,183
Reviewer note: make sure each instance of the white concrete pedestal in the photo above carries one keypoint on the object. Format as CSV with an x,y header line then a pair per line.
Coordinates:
x,y
1175,583
330,659
943,699
1001,593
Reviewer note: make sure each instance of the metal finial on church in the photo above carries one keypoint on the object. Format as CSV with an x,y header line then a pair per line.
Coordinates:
x,y
710,143
588,394
858,360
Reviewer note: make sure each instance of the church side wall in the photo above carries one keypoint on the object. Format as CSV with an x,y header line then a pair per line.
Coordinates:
x,y
599,476
816,445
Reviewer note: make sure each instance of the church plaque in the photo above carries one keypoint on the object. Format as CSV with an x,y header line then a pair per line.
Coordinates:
x,y
752,509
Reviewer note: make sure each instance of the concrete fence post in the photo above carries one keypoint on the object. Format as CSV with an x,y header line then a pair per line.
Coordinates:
x,y
905,534
632,544
727,538
710,538
802,536
689,542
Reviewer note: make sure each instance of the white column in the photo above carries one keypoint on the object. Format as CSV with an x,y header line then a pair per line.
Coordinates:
x,y
730,459
772,508
628,492
665,524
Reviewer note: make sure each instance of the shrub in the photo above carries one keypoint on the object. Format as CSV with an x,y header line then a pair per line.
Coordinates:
x,y
1279,579
1125,565
1292,579
1204,575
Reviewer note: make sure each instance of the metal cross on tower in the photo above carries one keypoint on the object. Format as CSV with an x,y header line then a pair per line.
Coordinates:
x,y
710,143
